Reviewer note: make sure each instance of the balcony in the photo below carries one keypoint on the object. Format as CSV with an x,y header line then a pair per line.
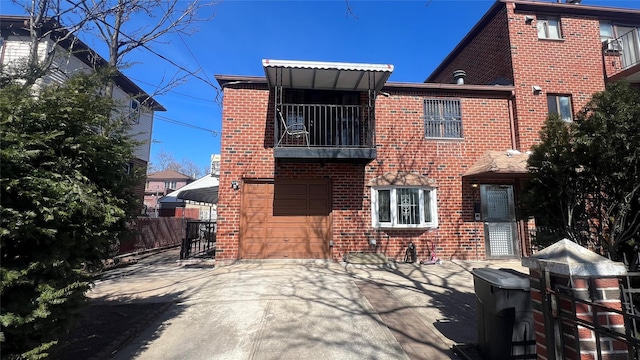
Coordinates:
x,y
325,133
622,57
327,107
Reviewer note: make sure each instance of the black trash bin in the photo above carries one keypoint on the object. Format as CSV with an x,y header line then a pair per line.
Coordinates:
x,y
505,318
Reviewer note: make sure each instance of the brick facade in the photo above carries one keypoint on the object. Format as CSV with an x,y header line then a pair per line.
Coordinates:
x,y
486,58
503,59
247,153
574,65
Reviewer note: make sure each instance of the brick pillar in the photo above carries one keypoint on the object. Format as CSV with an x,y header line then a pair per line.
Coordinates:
x,y
536,291
568,268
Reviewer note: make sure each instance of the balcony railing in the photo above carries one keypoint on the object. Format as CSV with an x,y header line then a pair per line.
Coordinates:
x,y
328,126
630,48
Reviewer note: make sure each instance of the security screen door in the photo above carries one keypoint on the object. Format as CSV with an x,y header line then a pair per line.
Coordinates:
x,y
498,214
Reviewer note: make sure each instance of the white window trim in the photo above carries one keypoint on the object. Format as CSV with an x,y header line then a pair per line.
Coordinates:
x,y
134,111
393,224
544,22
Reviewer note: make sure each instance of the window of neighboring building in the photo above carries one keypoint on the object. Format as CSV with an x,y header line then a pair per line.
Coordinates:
x,y
442,118
549,28
128,168
1,51
134,111
403,207
561,105
170,185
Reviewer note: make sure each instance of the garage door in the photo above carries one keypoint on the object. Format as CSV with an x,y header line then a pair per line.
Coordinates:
x,y
285,219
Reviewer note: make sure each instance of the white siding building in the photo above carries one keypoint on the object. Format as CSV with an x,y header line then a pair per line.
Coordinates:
x,y
72,56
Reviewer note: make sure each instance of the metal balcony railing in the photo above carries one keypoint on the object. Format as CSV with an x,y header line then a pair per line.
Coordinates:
x,y
627,46
329,126
630,48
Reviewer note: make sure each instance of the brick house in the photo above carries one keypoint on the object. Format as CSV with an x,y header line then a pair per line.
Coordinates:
x,y
328,159
555,54
159,184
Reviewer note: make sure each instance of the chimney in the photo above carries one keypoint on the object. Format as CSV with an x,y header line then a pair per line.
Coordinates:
x,y
459,76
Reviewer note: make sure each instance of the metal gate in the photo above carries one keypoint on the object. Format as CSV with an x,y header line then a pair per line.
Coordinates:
x,y
619,341
199,240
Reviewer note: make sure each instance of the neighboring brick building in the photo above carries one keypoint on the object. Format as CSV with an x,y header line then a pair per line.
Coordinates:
x,y
159,184
555,54
369,165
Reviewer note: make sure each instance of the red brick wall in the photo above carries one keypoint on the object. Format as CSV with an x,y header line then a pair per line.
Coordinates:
x,y
600,297
572,65
247,153
486,59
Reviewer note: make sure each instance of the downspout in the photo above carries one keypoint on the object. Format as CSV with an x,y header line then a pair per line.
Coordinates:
x,y
512,123
522,223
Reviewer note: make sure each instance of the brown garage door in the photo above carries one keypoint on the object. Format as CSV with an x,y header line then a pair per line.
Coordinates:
x,y
285,219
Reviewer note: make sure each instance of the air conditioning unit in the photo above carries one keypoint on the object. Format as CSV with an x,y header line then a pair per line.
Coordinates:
x,y
612,46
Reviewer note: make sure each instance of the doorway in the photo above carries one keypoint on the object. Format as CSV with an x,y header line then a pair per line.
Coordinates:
x,y
498,214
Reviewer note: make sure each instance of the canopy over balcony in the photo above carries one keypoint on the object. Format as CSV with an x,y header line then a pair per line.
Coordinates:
x,y
326,75
335,122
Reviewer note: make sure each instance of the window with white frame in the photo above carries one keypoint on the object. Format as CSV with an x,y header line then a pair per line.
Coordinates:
x,y
560,105
442,118
606,31
403,207
134,111
549,28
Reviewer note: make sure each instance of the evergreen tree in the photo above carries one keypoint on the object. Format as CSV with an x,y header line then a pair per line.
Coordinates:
x,y
65,199
585,175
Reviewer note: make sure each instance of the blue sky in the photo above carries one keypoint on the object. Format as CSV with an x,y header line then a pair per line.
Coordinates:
x,y
414,36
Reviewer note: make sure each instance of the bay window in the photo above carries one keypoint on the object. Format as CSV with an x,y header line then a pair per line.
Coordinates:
x,y
403,207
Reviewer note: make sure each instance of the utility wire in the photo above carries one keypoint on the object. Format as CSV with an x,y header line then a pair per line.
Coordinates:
x,y
193,56
174,92
181,123
144,46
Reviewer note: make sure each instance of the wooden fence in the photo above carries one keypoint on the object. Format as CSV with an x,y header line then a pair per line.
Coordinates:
x,y
152,233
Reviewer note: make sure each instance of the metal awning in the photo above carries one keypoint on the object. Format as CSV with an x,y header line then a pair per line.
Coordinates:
x,y
326,75
506,164
208,195
203,190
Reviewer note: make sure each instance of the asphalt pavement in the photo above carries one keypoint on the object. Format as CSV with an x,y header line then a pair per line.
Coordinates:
x,y
313,309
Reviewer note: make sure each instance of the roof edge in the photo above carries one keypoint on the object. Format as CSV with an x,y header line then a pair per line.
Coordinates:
x,y
79,46
506,89
228,80
527,5
327,65
486,18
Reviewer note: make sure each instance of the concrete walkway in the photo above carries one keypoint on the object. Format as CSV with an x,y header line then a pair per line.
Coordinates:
x,y
299,310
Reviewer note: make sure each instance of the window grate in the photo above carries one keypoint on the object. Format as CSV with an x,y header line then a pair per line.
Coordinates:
x,y
408,206
442,118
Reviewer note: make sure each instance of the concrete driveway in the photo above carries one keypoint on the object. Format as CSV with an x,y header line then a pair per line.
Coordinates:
x,y
299,310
